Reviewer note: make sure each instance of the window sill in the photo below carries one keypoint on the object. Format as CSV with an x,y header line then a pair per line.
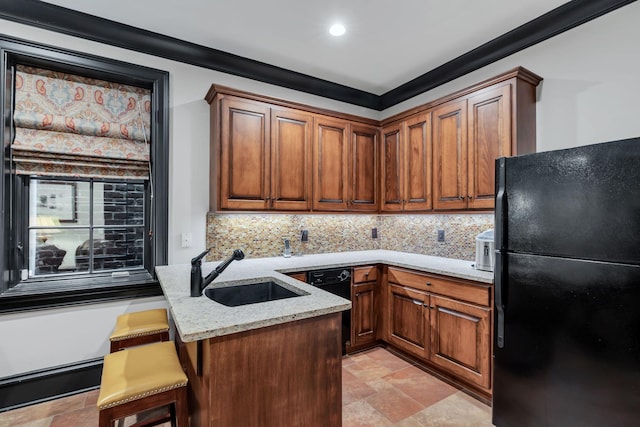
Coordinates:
x,y
36,295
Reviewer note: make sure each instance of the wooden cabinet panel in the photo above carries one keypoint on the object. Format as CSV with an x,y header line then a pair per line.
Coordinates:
x,y
408,320
489,134
290,159
244,170
417,174
330,164
391,168
363,313
453,335
363,168
456,288
302,276
406,165
460,340
365,274
450,155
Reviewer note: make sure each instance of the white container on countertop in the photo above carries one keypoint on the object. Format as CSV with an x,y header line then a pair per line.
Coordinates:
x,y
485,251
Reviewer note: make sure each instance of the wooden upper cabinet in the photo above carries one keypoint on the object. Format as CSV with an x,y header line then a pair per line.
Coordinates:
x,y
489,133
330,152
391,176
244,155
290,159
450,155
363,168
406,164
417,171
271,154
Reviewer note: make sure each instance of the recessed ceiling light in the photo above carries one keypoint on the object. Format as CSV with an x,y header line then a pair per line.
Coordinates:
x,y
337,30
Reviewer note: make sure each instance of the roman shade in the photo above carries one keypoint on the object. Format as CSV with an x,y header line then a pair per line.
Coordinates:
x,y
68,125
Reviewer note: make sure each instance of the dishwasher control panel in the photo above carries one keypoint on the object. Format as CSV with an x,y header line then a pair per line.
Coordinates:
x,y
329,276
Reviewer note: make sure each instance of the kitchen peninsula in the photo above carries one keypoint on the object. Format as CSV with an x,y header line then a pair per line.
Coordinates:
x,y
277,362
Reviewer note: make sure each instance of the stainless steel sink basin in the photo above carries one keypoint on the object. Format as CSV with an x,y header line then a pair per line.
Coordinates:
x,y
233,296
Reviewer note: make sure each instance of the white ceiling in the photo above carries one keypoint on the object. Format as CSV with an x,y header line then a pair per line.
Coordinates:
x,y
387,42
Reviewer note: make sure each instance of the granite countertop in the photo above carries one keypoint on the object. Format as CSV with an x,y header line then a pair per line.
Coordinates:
x,y
201,318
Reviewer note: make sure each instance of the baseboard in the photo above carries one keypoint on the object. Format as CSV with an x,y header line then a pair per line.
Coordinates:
x,y
50,383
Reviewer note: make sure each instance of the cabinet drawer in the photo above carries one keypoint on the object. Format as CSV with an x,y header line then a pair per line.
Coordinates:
x,y
365,274
462,290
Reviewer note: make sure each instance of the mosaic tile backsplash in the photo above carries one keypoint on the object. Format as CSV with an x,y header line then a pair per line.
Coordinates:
x,y
263,234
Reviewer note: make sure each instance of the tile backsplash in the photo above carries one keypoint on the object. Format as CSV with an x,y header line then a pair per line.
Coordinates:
x,y
263,234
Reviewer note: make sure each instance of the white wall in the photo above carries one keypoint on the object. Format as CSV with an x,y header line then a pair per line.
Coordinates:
x,y
46,338
591,74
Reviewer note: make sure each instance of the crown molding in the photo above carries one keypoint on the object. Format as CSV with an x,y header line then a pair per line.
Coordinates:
x,y
78,24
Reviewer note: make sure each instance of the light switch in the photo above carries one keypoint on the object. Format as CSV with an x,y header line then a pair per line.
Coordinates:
x,y
186,240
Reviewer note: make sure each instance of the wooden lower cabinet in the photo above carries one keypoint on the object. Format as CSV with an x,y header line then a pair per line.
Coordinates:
x,y
282,375
364,306
408,320
444,322
460,339
363,314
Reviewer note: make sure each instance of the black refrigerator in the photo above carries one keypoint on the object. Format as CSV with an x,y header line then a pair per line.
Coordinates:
x,y
567,288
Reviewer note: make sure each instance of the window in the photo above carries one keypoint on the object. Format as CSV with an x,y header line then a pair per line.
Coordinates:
x,y
85,227
80,228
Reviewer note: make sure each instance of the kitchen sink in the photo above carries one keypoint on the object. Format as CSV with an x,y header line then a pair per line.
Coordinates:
x,y
233,296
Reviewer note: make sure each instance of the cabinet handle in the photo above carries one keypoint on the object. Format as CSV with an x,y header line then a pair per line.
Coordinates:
x,y
469,197
428,283
416,302
461,197
357,294
366,274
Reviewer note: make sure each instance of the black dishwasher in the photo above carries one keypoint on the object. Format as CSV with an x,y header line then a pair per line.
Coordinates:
x,y
338,282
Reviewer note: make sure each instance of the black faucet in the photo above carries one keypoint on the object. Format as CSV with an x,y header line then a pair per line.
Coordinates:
x,y
197,282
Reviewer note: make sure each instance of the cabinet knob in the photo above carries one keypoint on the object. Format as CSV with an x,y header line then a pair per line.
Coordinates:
x,y
366,274
469,197
357,294
461,197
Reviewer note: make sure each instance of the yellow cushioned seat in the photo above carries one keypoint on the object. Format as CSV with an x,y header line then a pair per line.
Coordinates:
x,y
141,327
139,372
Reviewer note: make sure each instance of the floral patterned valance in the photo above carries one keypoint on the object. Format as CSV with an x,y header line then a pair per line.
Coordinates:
x,y
75,126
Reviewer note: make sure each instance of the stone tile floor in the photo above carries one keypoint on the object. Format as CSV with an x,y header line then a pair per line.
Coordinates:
x,y
378,390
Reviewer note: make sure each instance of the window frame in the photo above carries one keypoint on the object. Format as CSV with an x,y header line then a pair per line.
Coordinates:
x,y
24,187
63,292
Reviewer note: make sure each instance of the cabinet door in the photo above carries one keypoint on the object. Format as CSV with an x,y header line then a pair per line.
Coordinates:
x,y
408,320
391,168
244,156
460,339
363,314
489,134
450,155
330,154
417,170
363,168
290,159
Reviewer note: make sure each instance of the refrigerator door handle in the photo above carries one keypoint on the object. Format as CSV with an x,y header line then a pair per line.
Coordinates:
x,y
500,206
499,302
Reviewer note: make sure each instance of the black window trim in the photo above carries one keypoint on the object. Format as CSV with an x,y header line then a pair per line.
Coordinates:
x,y
98,289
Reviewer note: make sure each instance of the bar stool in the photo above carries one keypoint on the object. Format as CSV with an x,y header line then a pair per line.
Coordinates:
x,y
143,378
141,327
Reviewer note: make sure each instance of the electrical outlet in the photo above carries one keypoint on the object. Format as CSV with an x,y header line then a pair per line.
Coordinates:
x,y
374,233
440,235
304,237
186,240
